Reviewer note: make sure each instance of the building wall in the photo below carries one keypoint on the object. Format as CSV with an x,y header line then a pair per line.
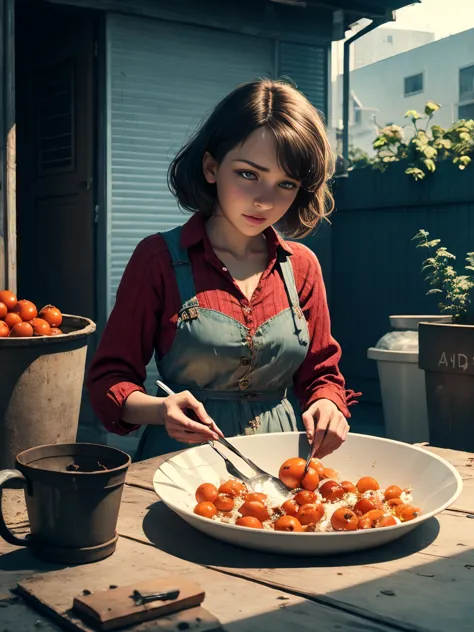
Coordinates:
x,y
385,42
379,87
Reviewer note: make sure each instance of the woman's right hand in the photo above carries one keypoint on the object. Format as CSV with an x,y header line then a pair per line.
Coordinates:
x,y
179,426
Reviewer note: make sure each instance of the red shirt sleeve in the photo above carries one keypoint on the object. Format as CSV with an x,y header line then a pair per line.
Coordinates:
x,y
319,376
118,367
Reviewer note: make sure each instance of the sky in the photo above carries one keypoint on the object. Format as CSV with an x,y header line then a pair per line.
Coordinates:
x,y
441,17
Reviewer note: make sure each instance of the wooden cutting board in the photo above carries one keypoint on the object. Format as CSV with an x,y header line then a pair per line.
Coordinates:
x,y
113,608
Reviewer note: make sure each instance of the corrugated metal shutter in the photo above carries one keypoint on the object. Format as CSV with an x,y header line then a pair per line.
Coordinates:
x,y
307,66
163,77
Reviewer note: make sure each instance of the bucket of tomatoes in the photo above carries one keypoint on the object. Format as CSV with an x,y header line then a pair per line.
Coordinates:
x,y
42,365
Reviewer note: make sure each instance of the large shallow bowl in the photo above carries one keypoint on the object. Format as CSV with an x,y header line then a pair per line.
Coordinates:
x,y
436,485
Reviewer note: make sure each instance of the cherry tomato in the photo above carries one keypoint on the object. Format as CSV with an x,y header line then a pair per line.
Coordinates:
x,y
40,327
344,519
232,488
349,487
331,491
21,330
409,513
223,502
288,523
205,509
12,319
311,513
393,492
8,299
305,496
330,473
256,509
249,521
367,483
393,503
290,507
310,480
51,315
370,519
291,472
364,505
4,330
387,521
318,466
26,309
3,310
55,331
206,492
256,496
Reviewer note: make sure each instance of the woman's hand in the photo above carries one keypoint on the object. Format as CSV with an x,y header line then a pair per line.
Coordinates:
x,y
326,427
179,426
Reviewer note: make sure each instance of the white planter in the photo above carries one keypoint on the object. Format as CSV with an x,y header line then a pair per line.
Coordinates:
x,y
402,383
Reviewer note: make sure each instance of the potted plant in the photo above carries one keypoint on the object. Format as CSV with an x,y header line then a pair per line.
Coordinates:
x,y
446,351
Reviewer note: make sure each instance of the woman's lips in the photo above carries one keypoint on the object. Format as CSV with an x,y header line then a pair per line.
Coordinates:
x,y
254,220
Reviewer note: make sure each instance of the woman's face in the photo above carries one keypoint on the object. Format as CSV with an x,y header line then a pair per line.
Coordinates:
x,y
252,190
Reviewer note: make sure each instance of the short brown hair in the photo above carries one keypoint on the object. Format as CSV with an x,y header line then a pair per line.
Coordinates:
x,y
304,151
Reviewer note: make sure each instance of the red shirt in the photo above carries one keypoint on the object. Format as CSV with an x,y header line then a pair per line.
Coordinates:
x,y
146,309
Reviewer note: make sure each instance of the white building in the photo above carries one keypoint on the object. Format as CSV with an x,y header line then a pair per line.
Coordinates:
x,y
441,71
386,42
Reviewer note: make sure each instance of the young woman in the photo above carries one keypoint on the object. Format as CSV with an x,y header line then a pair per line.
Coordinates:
x,y
235,314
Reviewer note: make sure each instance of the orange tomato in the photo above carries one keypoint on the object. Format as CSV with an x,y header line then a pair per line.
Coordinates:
x,y
249,521
51,315
304,497
3,310
344,519
288,523
4,330
394,502
206,492
387,521
223,502
256,496
26,309
40,327
392,492
256,509
311,513
290,507
349,487
330,473
364,505
367,483
291,472
370,519
12,319
408,513
232,488
205,509
21,330
331,491
55,331
8,298
310,480
317,466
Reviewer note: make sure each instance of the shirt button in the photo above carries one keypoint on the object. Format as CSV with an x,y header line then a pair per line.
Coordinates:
x,y
224,269
245,361
243,384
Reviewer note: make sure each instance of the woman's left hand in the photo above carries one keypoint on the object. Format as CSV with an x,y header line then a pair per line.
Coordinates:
x,y
324,415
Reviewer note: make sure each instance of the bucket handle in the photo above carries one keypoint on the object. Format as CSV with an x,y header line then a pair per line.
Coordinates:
x,y
5,533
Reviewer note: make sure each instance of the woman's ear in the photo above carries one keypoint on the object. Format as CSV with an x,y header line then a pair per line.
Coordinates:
x,y
209,167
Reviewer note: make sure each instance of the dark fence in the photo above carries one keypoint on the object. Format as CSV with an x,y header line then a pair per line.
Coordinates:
x,y
371,266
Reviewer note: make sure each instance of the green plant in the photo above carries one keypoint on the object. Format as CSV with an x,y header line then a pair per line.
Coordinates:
x,y
456,290
426,147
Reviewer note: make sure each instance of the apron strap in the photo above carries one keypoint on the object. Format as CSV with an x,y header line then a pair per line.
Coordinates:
x,y
290,285
182,268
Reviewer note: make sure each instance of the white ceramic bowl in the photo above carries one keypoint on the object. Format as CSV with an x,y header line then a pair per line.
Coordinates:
x,y
436,485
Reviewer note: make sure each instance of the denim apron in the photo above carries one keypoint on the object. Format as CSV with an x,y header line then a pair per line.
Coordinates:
x,y
242,380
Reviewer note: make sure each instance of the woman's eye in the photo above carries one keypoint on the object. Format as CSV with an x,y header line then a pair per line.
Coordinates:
x,y
247,175
289,185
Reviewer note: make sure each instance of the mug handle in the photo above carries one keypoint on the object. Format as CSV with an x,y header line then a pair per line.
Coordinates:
x,y
5,533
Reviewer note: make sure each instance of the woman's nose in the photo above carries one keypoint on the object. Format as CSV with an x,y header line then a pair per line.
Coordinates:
x,y
264,201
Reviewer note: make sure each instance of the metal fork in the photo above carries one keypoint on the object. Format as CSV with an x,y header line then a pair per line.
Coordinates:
x,y
262,481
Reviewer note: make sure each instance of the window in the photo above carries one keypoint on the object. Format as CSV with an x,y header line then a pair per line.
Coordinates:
x,y
466,84
413,84
466,112
389,39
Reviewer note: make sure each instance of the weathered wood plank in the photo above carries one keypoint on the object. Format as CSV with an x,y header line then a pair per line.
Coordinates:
x,y
239,605
430,570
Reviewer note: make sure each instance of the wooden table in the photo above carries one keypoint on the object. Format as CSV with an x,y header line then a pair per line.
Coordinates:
x,y
423,582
